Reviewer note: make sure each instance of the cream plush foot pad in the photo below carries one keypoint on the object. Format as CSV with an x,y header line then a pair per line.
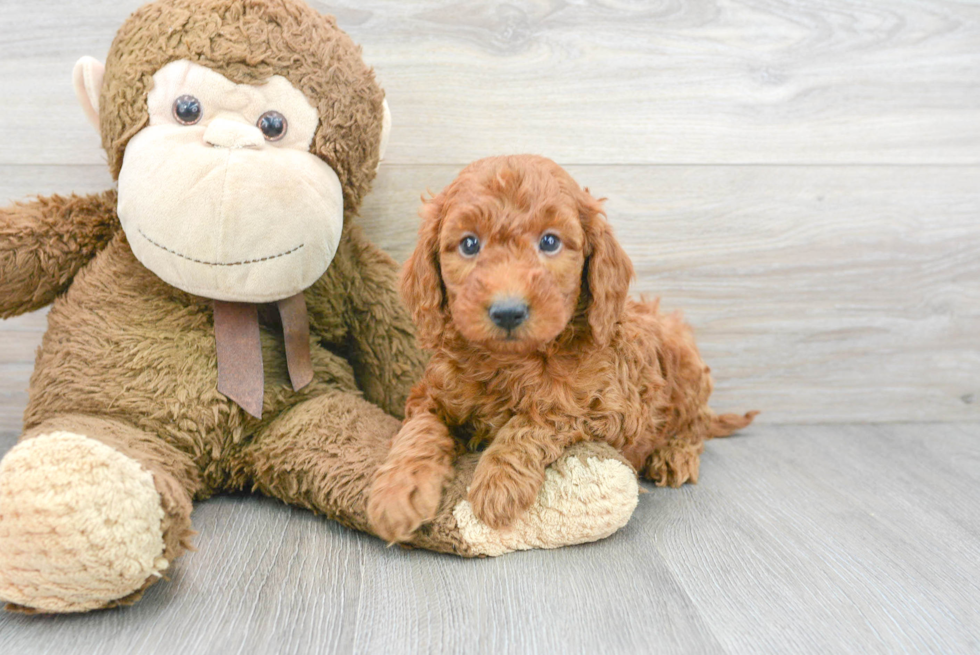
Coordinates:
x,y
80,524
578,503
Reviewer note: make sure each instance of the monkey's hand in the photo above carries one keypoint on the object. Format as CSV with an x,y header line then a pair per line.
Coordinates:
x,y
45,242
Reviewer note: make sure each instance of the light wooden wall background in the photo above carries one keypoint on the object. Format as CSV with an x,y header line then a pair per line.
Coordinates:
x,y
801,177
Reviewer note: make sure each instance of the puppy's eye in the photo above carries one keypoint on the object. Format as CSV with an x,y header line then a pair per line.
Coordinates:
x,y
187,110
273,125
469,246
550,244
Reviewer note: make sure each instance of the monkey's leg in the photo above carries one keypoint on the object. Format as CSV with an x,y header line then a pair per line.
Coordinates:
x,y
323,454
92,512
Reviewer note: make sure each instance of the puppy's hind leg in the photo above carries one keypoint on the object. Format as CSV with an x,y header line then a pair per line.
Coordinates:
x,y
679,459
676,462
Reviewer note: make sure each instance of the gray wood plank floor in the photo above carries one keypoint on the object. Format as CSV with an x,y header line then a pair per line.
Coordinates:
x,y
804,539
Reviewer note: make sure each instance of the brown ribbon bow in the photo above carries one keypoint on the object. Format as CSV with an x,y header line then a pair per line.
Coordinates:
x,y
236,333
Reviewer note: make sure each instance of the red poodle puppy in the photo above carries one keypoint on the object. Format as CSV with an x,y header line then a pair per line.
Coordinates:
x,y
519,288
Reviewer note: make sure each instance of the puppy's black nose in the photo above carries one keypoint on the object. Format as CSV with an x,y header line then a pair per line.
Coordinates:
x,y
508,314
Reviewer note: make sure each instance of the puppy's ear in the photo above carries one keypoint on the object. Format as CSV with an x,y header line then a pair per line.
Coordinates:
x,y
608,270
421,280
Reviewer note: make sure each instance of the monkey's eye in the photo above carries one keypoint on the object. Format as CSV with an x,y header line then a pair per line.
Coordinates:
x,y
549,244
187,110
469,246
273,125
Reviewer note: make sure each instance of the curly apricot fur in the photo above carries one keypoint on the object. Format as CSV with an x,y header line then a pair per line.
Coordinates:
x,y
589,363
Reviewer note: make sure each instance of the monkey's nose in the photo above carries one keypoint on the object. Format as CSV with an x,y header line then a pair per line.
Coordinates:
x,y
508,314
224,133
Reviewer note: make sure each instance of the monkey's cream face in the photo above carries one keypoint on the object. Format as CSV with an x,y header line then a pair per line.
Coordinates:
x,y
220,196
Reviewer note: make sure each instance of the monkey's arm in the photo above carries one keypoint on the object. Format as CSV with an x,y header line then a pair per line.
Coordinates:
x,y
45,242
360,289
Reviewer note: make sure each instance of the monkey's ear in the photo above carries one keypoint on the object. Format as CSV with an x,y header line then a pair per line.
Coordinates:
x,y
87,80
385,132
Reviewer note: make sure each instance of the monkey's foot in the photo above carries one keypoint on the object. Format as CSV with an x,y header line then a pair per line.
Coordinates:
x,y
80,525
588,494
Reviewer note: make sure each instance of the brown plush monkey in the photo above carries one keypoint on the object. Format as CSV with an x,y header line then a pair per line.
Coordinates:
x,y
243,135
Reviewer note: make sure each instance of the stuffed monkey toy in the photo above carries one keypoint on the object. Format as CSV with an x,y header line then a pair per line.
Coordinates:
x,y
219,322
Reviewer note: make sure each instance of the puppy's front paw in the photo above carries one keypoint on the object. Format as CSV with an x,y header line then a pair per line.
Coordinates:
x,y
403,497
500,493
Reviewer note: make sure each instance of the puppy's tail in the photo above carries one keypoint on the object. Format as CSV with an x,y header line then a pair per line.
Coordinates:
x,y
725,424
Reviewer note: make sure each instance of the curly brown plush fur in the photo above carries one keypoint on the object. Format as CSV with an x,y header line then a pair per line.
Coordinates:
x,y
587,363
125,427
129,361
43,245
249,41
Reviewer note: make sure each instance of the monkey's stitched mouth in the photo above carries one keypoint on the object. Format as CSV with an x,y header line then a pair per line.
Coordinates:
x,y
201,261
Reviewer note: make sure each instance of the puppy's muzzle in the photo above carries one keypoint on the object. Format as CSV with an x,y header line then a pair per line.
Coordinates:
x,y
509,314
